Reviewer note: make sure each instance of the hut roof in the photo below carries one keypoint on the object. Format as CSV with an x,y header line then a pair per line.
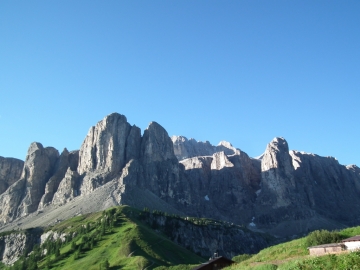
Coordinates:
x,y
327,245
354,238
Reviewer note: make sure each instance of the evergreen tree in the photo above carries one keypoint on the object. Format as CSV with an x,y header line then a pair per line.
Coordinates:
x,y
48,262
105,265
73,245
57,253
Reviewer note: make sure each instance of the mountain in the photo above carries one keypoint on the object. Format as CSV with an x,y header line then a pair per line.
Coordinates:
x,y
284,193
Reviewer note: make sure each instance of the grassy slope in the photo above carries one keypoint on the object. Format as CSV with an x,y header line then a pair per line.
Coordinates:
x,y
128,236
294,255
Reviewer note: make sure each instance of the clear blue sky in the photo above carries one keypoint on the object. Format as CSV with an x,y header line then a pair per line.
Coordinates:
x,y
241,71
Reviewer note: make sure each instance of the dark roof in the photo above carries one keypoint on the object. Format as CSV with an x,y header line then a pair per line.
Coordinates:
x,y
214,260
327,245
354,238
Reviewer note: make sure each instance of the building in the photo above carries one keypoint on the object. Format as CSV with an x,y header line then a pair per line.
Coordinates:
x,y
327,249
214,264
352,243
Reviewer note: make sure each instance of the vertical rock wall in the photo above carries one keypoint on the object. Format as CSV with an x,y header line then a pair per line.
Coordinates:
x,y
10,172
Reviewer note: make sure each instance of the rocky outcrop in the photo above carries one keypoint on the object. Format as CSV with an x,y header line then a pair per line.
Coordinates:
x,y
205,237
68,188
277,175
103,152
66,161
24,195
156,145
327,187
104,146
221,183
184,148
10,172
301,192
220,161
14,245
161,172
10,200
52,236
39,167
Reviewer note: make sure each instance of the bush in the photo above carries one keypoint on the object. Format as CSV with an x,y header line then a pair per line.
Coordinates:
x,y
320,237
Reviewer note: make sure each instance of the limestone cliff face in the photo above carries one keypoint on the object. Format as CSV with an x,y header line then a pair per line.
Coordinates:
x,y
220,183
10,171
327,187
39,166
24,195
277,174
41,174
300,192
184,148
161,172
205,240
10,200
67,161
67,189
156,144
104,146
280,200
14,245
133,144
103,152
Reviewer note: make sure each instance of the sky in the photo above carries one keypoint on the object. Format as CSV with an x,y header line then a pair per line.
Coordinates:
x,y
240,71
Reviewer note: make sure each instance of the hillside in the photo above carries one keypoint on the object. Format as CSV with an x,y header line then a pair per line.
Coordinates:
x,y
294,255
115,237
126,238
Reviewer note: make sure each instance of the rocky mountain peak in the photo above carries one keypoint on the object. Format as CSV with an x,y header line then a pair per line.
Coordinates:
x,y
39,166
277,156
277,174
354,168
227,148
184,148
156,144
104,146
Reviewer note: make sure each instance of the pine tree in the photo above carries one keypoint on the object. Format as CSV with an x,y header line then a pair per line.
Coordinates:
x,y
73,246
105,265
48,262
57,252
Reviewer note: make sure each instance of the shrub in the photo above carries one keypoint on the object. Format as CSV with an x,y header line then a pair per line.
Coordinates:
x,y
320,237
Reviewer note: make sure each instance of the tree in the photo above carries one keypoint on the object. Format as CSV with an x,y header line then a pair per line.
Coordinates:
x,y
73,245
105,265
57,252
